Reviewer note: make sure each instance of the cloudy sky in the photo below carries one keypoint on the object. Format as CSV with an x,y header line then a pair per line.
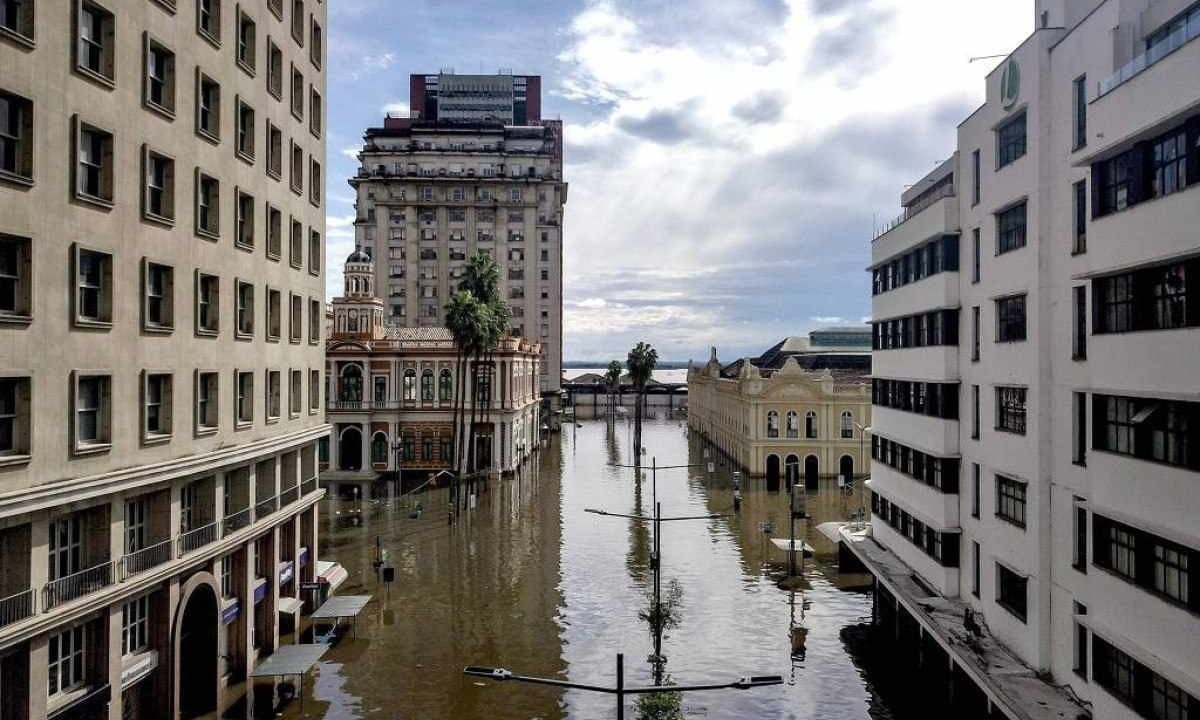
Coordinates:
x,y
727,159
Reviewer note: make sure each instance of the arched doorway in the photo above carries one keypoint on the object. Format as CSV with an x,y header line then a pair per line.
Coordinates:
x,y
196,625
846,468
350,449
773,472
791,470
810,472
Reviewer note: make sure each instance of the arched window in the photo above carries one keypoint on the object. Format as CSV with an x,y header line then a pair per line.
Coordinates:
x,y
379,449
351,384
410,384
772,424
793,424
847,424
427,385
445,386
810,424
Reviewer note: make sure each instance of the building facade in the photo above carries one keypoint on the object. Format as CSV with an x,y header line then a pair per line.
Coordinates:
x,y
502,98
392,392
431,193
161,244
1034,341
804,404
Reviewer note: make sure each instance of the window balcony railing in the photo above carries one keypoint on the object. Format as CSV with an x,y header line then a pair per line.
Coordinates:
x,y
350,405
197,538
289,496
144,559
266,507
17,607
235,521
1182,35
76,585
309,485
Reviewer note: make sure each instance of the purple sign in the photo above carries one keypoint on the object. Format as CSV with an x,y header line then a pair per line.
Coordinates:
x,y
230,613
286,572
260,592
303,557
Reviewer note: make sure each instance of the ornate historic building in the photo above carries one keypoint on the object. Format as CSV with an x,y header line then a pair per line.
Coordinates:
x,y
391,395
804,404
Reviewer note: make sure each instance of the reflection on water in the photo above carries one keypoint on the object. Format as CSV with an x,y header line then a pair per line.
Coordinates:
x,y
533,583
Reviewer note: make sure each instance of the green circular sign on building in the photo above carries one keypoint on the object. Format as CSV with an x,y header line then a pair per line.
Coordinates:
x,y
1010,84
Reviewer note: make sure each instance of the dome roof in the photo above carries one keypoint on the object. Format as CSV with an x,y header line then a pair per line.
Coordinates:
x,y
358,256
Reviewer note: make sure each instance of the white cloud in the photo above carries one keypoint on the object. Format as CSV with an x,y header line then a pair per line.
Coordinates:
x,y
829,320
396,108
370,64
352,152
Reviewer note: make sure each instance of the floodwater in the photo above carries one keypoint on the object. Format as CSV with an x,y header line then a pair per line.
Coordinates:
x,y
531,582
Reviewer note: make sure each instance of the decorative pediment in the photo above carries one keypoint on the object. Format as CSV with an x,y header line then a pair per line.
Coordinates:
x,y
347,346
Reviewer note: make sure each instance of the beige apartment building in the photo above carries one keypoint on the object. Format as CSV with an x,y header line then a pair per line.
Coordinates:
x,y
434,190
392,392
802,404
161,285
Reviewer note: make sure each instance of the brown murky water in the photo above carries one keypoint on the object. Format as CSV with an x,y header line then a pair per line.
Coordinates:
x,y
531,582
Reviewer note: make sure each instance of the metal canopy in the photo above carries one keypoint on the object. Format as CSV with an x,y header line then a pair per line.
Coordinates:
x,y
340,606
290,660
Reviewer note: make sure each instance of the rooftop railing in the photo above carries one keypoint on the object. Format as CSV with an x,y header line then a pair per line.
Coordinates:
x,y
144,559
76,585
1185,33
17,607
913,210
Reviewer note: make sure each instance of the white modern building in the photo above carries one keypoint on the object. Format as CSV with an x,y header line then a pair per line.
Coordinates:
x,y
1036,403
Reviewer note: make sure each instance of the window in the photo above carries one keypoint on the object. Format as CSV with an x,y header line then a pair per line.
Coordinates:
x,y
274,151
274,70
1010,500
1010,229
244,400
208,106
135,625
315,252
296,179
208,20
227,576
1139,687
1168,163
410,385
975,563
772,424
976,178
92,411
208,205
975,334
314,321
1122,550
1081,643
445,386
208,304
976,253
1010,141
1010,409
427,386
158,305
810,424
314,391
314,182
246,42
1147,428
274,231
66,546
1080,193
206,402
66,661
1011,591
245,309
316,44
1116,183
847,425
939,327
135,525
276,7
93,291
96,42
295,318
273,399
274,313
1079,93
1079,453
1010,319
297,93
1154,298
976,489
158,186
16,138
15,278
1171,572
379,449
1155,564
244,232
16,19
245,131
14,417
925,398
156,406
315,109
975,412
94,164
298,21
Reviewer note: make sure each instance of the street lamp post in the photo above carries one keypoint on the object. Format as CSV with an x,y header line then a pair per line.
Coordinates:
x,y
398,448
862,459
621,689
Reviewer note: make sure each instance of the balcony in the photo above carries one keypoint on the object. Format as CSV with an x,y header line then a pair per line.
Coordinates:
x,y
233,522
309,485
265,507
144,559
1186,32
919,223
197,538
17,607
76,585
289,496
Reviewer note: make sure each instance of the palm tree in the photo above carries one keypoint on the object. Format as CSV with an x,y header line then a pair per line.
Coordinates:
x,y
640,362
465,323
612,378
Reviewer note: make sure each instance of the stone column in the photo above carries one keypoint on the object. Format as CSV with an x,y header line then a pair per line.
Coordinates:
x,y
113,656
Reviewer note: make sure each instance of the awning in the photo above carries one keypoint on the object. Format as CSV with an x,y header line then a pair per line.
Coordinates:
x,y
331,573
290,605
799,546
340,606
290,660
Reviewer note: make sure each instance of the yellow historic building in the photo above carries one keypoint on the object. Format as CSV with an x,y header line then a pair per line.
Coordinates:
x,y
804,403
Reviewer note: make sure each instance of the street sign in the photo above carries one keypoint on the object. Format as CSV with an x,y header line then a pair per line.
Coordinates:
x,y
309,586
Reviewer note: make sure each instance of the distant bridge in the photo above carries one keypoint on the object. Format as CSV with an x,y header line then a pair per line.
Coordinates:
x,y
590,399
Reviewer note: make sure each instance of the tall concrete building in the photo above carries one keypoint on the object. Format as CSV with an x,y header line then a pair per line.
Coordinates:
x,y
161,286
502,98
431,193
1035,327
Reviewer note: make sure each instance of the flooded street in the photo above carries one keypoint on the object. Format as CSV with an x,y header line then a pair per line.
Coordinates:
x,y
531,582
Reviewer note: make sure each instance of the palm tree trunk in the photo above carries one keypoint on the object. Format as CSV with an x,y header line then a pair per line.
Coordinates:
x,y
455,465
473,371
